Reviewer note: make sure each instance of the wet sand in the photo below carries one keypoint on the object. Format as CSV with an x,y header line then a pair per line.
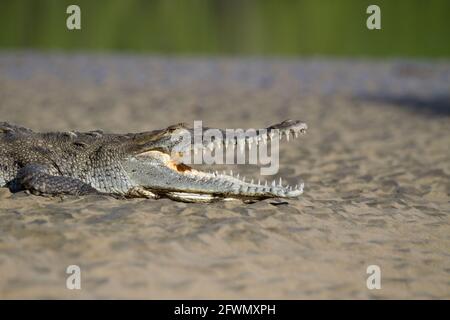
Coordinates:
x,y
375,163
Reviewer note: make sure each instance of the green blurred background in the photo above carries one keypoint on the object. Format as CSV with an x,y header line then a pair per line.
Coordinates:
x,y
411,28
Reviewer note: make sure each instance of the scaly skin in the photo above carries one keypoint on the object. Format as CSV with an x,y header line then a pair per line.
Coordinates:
x,y
129,165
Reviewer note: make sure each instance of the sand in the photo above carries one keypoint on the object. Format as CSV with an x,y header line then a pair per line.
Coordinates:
x,y
375,162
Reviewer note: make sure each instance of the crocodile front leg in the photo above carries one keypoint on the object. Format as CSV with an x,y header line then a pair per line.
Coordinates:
x,y
39,180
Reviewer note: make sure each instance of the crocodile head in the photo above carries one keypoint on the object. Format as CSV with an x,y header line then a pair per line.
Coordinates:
x,y
156,166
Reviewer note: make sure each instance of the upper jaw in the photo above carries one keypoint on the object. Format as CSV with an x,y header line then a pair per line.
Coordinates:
x,y
288,129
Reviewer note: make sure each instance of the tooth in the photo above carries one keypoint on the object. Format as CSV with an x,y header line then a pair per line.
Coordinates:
x,y
271,134
231,172
265,184
259,182
241,146
296,134
251,182
287,136
273,183
280,182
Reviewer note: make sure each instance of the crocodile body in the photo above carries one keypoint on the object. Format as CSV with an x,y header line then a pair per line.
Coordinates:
x,y
129,165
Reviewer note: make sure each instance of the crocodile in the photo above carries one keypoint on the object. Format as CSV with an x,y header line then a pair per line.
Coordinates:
x,y
130,165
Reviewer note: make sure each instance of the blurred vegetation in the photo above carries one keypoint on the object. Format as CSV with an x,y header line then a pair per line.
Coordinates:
x,y
223,27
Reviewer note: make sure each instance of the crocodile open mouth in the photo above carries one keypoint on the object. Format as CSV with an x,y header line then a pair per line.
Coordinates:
x,y
172,177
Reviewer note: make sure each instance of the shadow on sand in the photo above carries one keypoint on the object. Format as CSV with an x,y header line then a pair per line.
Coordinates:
x,y
432,106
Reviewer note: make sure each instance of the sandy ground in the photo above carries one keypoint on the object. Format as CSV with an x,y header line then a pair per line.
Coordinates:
x,y
376,165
